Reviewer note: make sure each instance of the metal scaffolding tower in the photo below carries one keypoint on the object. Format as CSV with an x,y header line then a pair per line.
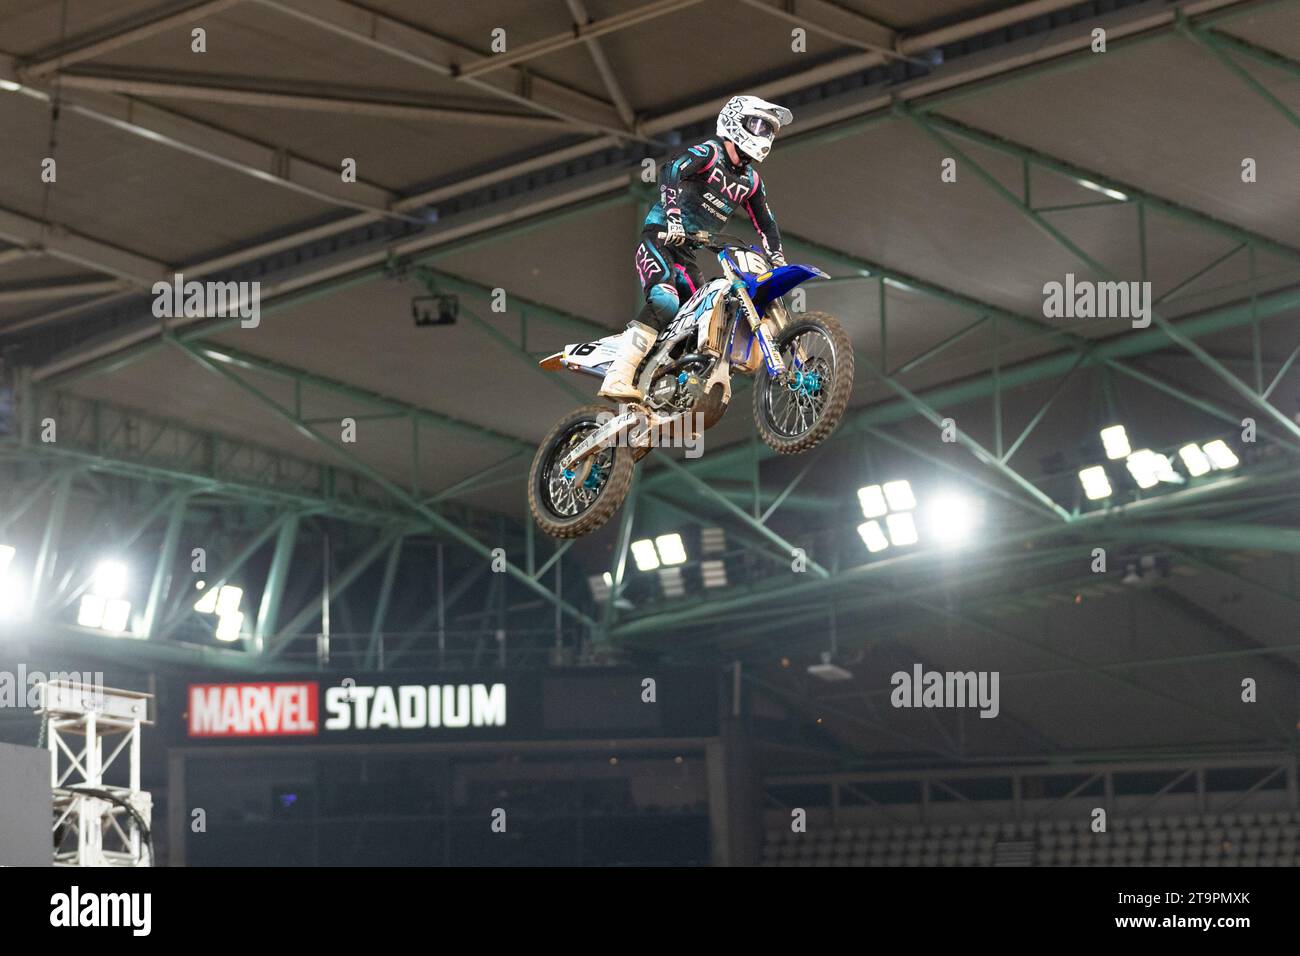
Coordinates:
x,y
97,823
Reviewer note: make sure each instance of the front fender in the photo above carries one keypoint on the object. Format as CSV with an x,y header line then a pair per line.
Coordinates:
x,y
780,281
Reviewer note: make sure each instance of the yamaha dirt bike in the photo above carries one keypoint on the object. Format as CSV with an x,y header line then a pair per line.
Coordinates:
x,y
734,324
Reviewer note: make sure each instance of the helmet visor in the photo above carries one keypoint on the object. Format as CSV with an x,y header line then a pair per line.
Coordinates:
x,y
759,126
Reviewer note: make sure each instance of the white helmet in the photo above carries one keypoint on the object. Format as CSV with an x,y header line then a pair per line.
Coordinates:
x,y
752,124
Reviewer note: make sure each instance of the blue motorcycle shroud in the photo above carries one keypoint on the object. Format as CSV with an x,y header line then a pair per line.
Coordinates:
x,y
781,281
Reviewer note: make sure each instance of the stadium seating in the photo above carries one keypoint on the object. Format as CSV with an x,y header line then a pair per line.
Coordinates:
x,y
1245,839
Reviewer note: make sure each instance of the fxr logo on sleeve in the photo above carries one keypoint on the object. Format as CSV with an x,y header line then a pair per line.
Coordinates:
x,y
133,910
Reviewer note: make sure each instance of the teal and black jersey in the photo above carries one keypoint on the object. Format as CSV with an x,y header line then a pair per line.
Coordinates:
x,y
703,188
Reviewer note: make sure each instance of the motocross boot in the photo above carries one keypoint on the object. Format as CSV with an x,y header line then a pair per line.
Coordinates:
x,y
619,381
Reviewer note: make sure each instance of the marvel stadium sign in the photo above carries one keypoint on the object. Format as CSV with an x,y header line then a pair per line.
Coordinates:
x,y
291,708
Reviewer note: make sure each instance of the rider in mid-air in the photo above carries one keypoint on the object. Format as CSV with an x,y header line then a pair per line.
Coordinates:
x,y
698,192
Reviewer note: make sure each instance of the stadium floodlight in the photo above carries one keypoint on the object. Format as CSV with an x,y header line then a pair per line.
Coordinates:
x,y
228,599
873,536
229,626
1115,440
7,553
600,585
91,611
109,580
713,540
12,596
951,518
105,613
1195,461
1096,483
713,573
1149,468
208,603
902,529
671,581
872,499
645,555
670,547
899,495
117,614
1104,190
1220,455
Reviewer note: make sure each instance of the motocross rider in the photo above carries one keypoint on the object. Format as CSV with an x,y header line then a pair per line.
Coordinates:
x,y
698,192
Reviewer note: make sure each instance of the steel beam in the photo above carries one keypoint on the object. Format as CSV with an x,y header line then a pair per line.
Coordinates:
x,y
433,517
304,98
381,606
979,451
421,49
154,22
579,32
749,520
927,125
277,576
581,18
162,575
284,636
62,243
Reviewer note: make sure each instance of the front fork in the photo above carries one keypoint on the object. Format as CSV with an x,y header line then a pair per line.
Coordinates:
x,y
771,357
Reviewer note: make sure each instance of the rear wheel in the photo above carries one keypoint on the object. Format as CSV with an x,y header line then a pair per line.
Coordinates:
x,y
568,503
800,408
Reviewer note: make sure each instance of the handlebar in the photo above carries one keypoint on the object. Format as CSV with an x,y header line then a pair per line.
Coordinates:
x,y
714,241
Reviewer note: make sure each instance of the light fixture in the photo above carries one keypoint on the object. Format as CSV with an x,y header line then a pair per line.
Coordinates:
x,y
208,603
643,552
670,579
229,627
1104,190
11,595
828,670
109,580
670,547
1115,440
1220,455
899,495
1195,461
713,573
1096,483
600,585
872,499
713,540
228,599
91,611
902,529
105,613
116,614
873,536
951,518
1149,468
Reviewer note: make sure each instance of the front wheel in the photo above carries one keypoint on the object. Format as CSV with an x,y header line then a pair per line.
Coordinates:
x,y
568,503
799,409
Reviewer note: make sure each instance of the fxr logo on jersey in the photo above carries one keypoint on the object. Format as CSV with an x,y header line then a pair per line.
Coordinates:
x,y
735,189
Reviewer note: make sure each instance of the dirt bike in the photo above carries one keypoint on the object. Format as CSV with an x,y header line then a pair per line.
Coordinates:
x,y
734,324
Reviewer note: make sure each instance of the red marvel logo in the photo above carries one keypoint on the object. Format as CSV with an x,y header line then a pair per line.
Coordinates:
x,y
253,710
